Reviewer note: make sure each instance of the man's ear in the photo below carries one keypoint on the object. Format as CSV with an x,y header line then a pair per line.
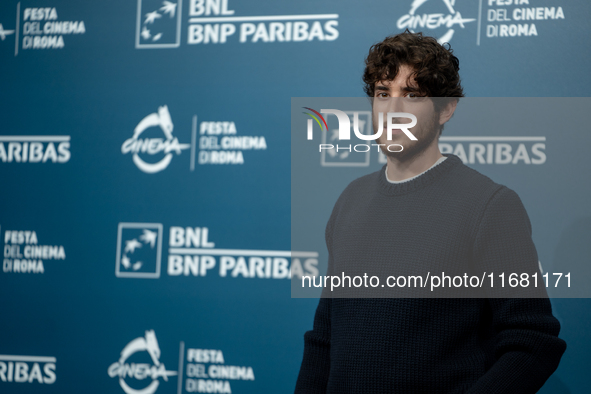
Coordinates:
x,y
447,111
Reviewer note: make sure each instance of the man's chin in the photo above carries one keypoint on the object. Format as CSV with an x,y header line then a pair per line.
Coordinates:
x,y
408,152
395,152
393,147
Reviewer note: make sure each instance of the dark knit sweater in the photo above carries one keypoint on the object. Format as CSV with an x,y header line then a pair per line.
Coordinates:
x,y
448,214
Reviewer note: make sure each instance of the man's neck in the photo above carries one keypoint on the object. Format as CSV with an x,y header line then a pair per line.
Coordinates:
x,y
400,170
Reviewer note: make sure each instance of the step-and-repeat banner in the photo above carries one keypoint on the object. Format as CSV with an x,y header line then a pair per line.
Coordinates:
x,y
145,171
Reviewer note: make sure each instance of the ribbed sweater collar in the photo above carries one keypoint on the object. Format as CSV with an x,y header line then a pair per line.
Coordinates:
x,y
426,178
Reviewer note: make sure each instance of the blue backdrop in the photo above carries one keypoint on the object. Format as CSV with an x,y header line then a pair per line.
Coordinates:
x,y
145,172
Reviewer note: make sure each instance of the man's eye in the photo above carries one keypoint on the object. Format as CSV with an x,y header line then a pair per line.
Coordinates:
x,y
381,95
414,96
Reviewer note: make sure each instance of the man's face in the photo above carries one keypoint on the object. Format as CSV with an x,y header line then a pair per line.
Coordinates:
x,y
402,95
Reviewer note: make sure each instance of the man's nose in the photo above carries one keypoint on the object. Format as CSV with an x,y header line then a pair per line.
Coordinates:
x,y
395,104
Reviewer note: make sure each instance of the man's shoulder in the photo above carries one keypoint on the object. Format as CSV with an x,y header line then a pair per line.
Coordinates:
x,y
454,182
466,180
477,190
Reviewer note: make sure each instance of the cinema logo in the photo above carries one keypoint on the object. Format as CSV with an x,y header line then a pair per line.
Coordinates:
x,y
442,19
191,252
35,148
212,142
496,150
152,146
27,369
214,22
140,370
126,369
334,154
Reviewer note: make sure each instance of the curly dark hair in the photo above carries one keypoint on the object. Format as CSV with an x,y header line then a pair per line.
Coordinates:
x,y
435,67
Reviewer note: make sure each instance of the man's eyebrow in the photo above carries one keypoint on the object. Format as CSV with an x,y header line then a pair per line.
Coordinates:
x,y
410,89
382,87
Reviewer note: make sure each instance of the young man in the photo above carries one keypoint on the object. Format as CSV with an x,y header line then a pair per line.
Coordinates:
x,y
427,212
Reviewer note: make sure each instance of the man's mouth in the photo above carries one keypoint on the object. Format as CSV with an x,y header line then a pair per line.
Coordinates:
x,y
394,132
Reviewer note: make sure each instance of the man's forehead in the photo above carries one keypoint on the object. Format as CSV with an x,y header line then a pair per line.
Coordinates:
x,y
400,83
404,79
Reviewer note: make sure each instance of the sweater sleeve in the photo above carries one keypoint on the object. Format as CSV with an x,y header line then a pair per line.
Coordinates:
x,y
315,367
314,372
526,349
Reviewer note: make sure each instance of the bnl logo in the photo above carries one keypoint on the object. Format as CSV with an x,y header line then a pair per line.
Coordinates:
x,y
355,129
139,250
158,24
